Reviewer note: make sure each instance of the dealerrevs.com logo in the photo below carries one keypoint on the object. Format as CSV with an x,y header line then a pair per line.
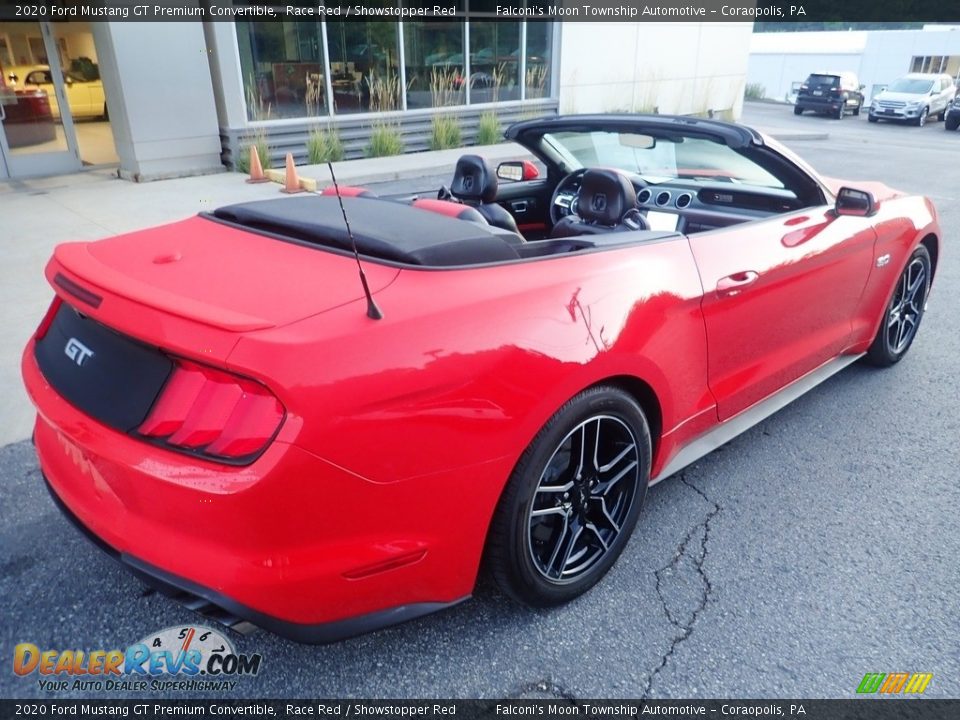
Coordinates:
x,y
176,658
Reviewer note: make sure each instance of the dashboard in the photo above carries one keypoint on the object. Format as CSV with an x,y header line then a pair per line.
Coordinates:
x,y
688,205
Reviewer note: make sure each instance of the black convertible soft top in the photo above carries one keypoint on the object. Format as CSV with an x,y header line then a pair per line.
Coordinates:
x,y
382,229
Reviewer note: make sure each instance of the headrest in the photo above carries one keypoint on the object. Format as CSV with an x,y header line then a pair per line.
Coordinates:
x,y
475,179
605,196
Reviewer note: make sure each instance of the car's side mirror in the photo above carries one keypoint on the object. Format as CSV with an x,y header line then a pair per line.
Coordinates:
x,y
516,170
862,87
858,203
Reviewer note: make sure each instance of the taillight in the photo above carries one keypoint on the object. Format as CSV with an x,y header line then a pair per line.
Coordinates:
x,y
48,318
213,413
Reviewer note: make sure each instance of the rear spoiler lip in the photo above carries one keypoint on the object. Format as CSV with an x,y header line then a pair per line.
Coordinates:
x,y
75,265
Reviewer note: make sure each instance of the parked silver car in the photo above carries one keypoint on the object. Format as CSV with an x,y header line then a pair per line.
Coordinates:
x,y
914,98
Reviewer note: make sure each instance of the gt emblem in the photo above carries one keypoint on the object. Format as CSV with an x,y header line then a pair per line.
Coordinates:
x,y
77,351
883,260
598,203
468,183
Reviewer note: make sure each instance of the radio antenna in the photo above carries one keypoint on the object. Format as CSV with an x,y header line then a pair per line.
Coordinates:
x,y
373,311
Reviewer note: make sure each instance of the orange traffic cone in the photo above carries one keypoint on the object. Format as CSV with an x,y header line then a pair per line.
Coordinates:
x,y
256,169
292,184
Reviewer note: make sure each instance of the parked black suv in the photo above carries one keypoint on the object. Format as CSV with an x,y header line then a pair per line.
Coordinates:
x,y
951,118
830,93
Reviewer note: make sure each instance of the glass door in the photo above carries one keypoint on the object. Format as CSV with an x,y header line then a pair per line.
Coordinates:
x,y
36,129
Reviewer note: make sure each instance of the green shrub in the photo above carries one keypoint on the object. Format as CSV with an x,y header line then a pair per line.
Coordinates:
x,y
385,140
755,91
324,146
489,131
445,133
242,163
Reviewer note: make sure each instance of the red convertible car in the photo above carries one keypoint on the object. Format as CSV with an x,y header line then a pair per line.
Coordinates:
x,y
230,411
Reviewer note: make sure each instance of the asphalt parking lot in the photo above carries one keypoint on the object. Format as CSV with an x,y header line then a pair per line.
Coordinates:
x,y
817,547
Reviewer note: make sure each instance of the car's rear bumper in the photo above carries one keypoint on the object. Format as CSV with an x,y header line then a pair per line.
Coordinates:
x,y
291,542
227,611
821,105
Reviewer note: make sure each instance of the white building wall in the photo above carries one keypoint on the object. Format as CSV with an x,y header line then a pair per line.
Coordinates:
x,y
674,68
160,95
877,56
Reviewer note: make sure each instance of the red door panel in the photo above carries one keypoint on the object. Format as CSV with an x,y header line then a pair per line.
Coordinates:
x,y
779,297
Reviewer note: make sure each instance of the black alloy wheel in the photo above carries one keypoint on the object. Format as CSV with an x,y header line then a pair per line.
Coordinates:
x,y
573,500
904,312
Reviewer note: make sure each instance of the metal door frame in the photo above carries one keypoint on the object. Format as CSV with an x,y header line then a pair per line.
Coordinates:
x,y
45,163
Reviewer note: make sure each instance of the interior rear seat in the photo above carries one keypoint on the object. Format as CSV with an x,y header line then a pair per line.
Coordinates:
x,y
468,213
348,191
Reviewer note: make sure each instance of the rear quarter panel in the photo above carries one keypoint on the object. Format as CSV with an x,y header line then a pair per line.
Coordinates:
x,y
467,365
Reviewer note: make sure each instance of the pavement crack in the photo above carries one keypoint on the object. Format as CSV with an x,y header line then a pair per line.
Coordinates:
x,y
692,551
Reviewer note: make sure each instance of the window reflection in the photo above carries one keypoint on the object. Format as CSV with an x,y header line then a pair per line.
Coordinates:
x,y
433,52
364,66
284,72
539,46
282,65
494,61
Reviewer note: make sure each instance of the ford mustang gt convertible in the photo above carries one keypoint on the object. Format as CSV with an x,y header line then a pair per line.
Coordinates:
x,y
322,419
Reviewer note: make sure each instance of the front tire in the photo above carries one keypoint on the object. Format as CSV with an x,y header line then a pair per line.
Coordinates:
x,y
952,123
573,499
797,110
922,118
873,118
904,312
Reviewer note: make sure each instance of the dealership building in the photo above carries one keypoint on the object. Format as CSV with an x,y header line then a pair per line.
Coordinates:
x,y
780,61
164,99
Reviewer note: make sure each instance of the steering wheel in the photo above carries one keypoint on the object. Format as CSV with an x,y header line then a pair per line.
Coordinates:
x,y
563,202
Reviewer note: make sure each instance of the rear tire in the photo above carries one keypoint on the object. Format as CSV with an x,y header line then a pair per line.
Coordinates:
x,y
572,500
839,113
941,115
901,321
856,111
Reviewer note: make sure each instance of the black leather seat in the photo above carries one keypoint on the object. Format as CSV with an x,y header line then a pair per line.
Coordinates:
x,y
607,203
475,184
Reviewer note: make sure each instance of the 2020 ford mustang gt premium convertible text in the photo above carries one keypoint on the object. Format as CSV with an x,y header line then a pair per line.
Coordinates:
x,y
220,407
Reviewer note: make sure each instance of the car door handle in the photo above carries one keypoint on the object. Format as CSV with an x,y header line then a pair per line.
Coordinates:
x,y
733,284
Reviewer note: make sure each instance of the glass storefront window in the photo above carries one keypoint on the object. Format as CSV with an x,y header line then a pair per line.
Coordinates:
x,y
364,66
494,61
282,66
444,65
539,51
435,67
